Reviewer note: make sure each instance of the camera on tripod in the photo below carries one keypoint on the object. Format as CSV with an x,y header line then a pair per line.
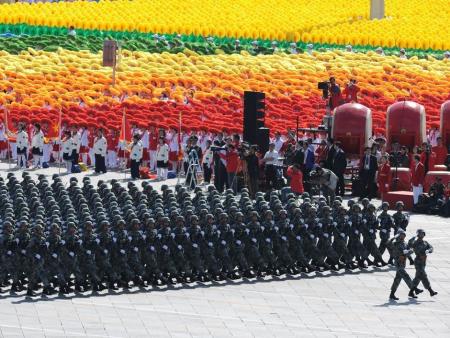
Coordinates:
x,y
324,87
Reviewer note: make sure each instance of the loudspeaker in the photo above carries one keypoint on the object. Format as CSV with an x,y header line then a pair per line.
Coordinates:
x,y
109,53
262,136
254,111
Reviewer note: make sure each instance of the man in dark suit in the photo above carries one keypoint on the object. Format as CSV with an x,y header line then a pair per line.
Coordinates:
x,y
331,151
339,165
367,170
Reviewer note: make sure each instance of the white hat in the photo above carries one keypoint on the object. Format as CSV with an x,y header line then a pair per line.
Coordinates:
x,y
162,37
309,46
274,43
293,44
155,36
254,42
402,50
348,46
210,38
237,40
379,49
447,53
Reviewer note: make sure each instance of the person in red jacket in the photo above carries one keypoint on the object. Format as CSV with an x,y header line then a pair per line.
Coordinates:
x,y
384,176
427,157
441,151
232,159
351,91
418,178
295,174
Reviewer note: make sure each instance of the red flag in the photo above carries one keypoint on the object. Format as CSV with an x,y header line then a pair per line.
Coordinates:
x,y
125,130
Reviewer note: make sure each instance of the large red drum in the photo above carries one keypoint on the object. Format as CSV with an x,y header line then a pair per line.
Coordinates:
x,y
405,124
352,125
445,123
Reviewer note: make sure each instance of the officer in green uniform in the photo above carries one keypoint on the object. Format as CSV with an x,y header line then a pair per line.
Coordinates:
x,y
421,249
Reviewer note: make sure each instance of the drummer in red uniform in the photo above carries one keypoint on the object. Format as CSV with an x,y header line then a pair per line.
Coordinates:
x,y
441,152
427,157
335,94
351,91
384,176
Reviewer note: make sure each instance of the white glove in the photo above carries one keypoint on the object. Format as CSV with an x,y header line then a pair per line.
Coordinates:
x,y
283,238
202,233
54,255
105,251
152,248
173,235
165,247
319,225
325,235
159,236
405,252
276,228
135,249
342,235
114,239
37,256
254,240
298,238
179,247
371,231
311,236
210,244
291,226
383,230
247,231
238,242
350,223
97,241
17,240
306,226
262,228
144,237
335,224
88,252
223,242
47,244
71,254
23,252
9,253
187,235
268,240
195,245
122,251
130,238
364,221
63,242
356,232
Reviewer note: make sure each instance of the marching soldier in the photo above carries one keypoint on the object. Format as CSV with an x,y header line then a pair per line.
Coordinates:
x,y
421,249
386,223
400,251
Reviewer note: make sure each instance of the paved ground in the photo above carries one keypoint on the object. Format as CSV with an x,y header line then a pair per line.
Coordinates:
x,y
325,305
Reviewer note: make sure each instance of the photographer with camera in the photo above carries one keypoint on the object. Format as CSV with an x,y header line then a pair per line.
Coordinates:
x,y
252,162
331,92
327,180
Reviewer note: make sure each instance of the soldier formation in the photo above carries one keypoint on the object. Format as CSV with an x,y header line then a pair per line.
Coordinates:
x,y
80,238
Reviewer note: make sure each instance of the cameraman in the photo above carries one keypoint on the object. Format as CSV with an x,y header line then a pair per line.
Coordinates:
x,y
327,180
334,92
252,161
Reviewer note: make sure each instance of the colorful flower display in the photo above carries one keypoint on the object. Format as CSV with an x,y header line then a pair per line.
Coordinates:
x,y
409,24
207,89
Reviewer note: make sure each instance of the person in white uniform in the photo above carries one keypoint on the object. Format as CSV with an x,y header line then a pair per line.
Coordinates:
x,y
37,145
136,151
100,147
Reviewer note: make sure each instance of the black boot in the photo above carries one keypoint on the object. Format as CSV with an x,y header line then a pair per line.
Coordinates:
x,y
391,261
432,292
411,294
30,292
392,296
417,291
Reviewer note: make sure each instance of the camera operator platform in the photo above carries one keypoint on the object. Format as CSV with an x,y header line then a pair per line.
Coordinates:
x,y
193,166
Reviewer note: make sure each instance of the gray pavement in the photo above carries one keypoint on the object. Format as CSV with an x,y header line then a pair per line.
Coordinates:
x,y
327,304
